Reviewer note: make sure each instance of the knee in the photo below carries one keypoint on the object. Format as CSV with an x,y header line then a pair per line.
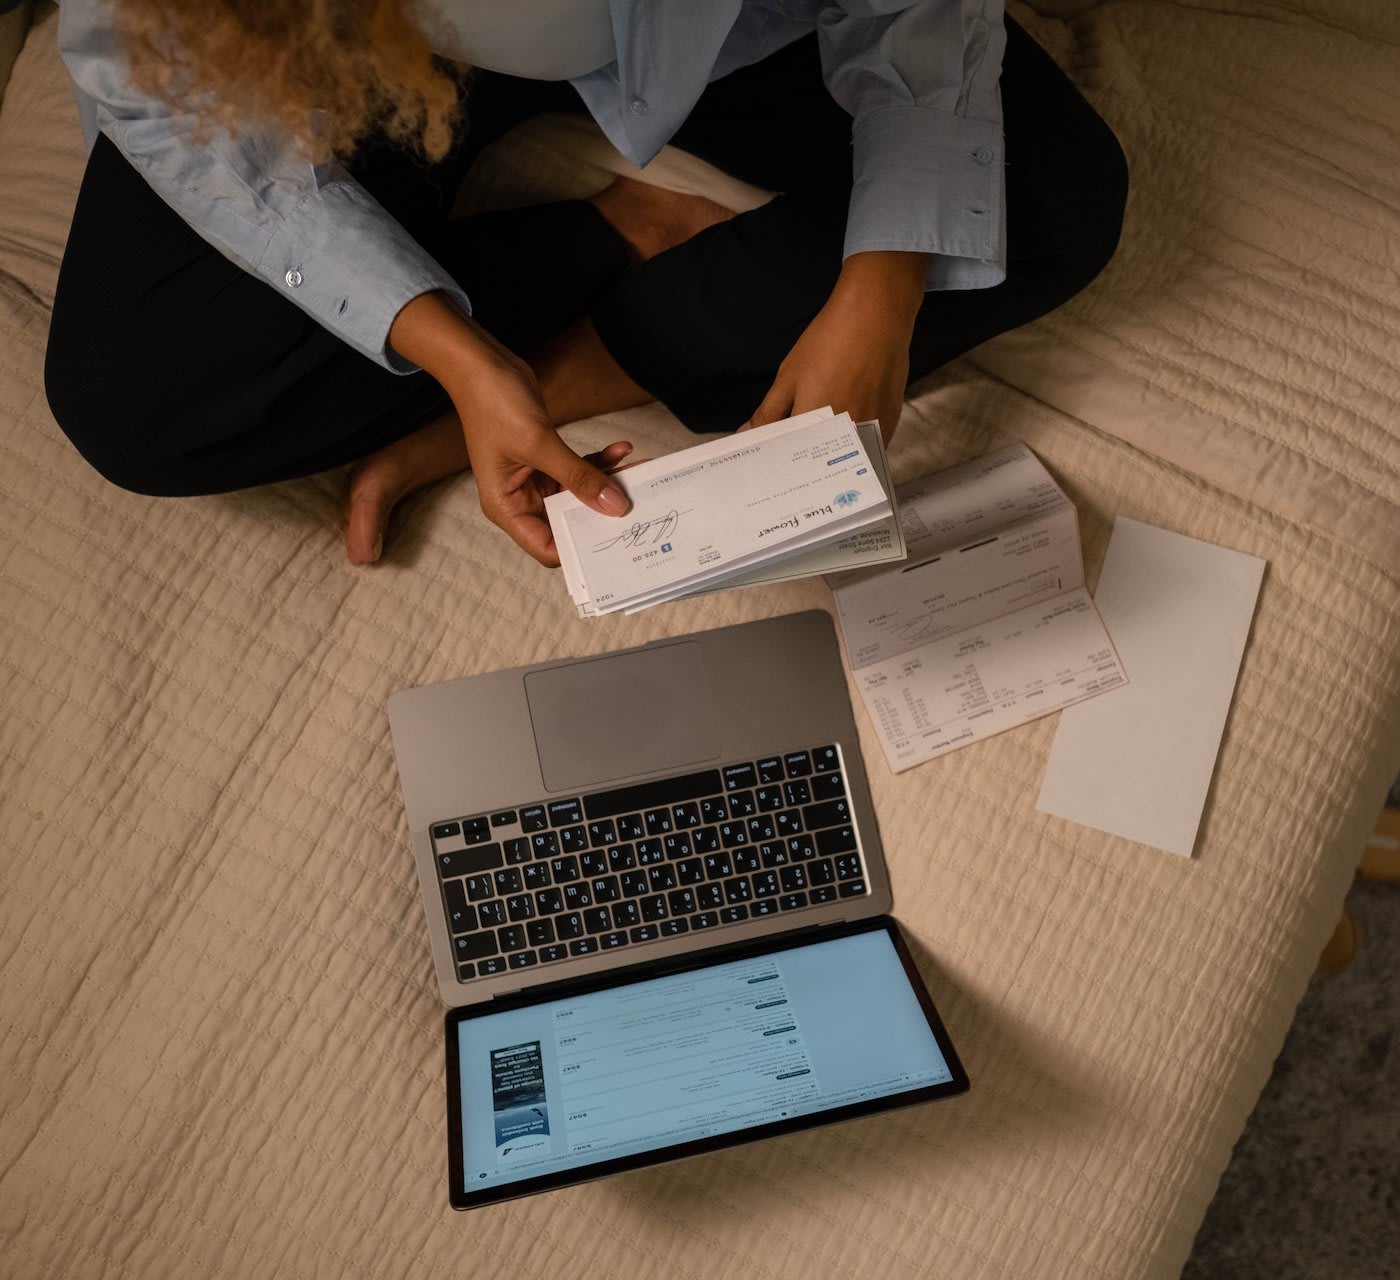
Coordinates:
x,y
115,426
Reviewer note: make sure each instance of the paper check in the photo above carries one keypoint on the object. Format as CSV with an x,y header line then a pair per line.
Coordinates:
x,y
717,510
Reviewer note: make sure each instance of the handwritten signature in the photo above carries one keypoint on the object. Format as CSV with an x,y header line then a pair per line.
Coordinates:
x,y
644,532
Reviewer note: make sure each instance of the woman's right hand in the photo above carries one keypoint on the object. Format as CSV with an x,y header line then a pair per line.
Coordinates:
x,y
515,452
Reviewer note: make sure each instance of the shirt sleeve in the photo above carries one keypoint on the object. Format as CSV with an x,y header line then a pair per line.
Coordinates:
x,y
921,83
310,231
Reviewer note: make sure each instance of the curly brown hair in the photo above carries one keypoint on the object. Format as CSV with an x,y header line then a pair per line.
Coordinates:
x,y
329,72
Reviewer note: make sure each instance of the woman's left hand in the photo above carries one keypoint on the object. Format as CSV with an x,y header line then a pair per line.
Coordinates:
x,y
854,356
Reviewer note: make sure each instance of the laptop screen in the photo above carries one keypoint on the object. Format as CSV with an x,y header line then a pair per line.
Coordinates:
x,y
770,1039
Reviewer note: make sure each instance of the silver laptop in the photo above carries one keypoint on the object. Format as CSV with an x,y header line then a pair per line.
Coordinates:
x,y
578,815
656,900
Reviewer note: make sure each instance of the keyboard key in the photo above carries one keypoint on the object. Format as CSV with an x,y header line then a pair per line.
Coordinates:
x,y
798,793
548,955
704,839
737,890
544,844
732,915
681,901
823,893
564,869
593,863
626,913
511,938
829,813
496,964
737,776
673,927
535,875
564,813
491,913
445,830
746,859
518,850
467,862
630,827
460,917
652,795
765,884
605,889
705,920
644,933
597,919
774,855
798,764
825,759
509,881
548,901
823,871
522,959
710,897
836,840
474,946
465,971
568,927
677,846
650,852
770,769
573,839
851,888
476,830
583,946
742,805
520,907
611,941
577,896
793,879
622,857
503,818
733,834
761,828
658,821
792,901
768,799
691,871
653,908
848,867
800,848
533,818
686,815
539,932
717,866
828,786
714,809
787,823
662,878
602,833
764,907
635,883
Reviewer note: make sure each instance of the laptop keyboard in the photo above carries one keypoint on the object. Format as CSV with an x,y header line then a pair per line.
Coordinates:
x,y
621,868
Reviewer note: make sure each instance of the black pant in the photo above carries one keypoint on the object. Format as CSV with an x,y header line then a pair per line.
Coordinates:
x,y
173,371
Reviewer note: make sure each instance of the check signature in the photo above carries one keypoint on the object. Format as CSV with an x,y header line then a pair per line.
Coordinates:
x,y
644,532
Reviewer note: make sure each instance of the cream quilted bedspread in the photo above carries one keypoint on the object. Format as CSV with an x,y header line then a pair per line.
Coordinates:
x,y
221,1037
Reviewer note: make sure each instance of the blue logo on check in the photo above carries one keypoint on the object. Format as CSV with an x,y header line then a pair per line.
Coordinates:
x,y
665,546
847,499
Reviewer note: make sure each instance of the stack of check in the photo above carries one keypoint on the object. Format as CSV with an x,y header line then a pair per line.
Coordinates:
x,y
808,495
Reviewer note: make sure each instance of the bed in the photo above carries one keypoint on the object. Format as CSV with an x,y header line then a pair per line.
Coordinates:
x,y
221,1033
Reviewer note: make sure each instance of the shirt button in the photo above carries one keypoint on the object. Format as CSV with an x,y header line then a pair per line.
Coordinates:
x,y
983,155
293,278
638,106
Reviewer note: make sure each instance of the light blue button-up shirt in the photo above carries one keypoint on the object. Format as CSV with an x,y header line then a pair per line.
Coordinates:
x,y
919,78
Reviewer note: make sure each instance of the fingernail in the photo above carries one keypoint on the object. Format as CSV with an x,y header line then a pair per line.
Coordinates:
x,y
614,501
378,549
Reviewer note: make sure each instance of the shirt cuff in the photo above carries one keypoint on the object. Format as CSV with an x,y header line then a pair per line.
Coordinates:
x,y
351,267
929,182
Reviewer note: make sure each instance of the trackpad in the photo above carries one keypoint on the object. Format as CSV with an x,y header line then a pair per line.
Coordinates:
x,y
606,718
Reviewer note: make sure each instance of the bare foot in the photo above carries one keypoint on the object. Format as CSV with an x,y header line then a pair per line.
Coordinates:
x,y
379,482
652,219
